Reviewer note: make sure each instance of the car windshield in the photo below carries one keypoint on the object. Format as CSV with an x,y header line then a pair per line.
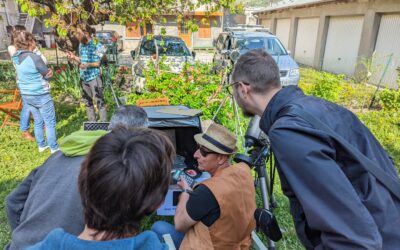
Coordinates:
x,y
104,37
165,47
271,44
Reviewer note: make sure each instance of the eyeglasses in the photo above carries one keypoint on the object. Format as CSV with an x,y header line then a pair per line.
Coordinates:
x,y
204,152
229,87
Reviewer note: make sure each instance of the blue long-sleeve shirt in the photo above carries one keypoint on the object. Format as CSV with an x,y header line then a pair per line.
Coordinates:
x,y
335,202
31,72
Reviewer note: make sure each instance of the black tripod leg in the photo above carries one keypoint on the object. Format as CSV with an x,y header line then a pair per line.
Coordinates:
x,y
264,184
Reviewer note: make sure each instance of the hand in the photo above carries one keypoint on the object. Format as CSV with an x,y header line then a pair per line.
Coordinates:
x,y
70,55
183,184
49,74
83,66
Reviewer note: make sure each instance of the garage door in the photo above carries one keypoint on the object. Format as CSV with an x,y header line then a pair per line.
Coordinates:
x,y
387,51
306,40
266,23
342,43
282,31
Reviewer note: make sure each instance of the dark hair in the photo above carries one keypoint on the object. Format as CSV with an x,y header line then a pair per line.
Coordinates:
x,y
22,39
124,177
257,68
129,116
80,32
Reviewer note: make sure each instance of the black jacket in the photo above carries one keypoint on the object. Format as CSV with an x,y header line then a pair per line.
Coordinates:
x,y
335,202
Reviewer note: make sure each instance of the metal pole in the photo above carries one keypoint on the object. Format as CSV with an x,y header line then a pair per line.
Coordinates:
x,y
380,80
56,50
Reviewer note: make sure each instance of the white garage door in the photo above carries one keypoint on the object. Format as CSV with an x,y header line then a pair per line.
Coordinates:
x,y
282,31
342,43
306,40
266,23
387,51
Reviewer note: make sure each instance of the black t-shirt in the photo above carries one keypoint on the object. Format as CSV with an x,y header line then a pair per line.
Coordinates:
x,y
202,205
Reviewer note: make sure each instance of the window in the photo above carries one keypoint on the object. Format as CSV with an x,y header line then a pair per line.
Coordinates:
x,y
204,29
135,30
165,47
183,30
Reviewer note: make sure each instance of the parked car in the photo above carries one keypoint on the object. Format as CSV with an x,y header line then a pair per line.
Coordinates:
x,y
109,38
235,42
151,49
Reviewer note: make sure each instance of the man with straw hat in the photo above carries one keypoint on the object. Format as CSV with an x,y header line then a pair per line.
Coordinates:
x,y
218,212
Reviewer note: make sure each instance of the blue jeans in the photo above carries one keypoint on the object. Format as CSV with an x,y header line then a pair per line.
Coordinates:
x,y
162,227
24,117
42,109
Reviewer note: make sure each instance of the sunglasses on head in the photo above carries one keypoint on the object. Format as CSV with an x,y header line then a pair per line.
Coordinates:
x,y
204,151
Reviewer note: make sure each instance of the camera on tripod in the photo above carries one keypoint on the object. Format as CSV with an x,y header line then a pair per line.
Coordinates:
x,y
255,142
256,153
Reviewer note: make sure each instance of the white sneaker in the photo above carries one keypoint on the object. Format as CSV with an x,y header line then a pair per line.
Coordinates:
x,y
41,149
54,150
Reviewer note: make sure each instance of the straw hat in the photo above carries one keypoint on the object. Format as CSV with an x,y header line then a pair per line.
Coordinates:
x,y
218,139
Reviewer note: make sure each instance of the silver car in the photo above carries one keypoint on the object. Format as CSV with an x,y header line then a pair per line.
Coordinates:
x,y
149,50
239,42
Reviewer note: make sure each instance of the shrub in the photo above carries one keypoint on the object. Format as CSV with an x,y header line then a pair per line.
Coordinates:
x,y
196,87
389,99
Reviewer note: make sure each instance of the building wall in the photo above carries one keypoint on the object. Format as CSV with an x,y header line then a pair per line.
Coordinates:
x,y
171,28
215,29
371,12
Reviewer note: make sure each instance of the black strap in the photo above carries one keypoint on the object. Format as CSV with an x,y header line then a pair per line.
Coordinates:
x,y
388,181
217,144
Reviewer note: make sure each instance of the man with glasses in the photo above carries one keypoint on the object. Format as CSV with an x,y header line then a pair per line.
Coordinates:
x,y
336,203
218,212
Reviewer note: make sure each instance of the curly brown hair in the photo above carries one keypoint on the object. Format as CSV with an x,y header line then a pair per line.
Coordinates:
x,y
22,39
124,178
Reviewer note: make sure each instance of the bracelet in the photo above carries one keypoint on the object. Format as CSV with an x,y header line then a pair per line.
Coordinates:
x,y
188,191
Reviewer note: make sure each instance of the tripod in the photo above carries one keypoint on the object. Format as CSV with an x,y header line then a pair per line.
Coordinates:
x,y
108,81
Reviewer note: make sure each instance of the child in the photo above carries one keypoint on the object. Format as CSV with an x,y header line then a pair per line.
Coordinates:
x,y
34,88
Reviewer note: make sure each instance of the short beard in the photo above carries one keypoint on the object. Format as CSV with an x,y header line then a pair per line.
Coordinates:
x,y
247,113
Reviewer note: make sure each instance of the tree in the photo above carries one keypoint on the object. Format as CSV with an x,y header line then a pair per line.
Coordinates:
x,y
65,15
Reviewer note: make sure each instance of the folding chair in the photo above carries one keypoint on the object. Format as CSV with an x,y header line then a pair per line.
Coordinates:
x,y
10,108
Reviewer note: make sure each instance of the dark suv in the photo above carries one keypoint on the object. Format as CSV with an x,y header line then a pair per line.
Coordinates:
x,y
231,44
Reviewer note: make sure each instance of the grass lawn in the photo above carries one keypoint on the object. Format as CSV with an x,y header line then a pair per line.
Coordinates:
x,y
18,157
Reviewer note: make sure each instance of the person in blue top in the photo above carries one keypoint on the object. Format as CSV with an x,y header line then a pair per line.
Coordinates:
x,y
34,88
90,54
124,177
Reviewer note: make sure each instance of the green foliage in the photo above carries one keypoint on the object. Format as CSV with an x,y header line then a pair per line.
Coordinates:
x,y
335,88
66,82
326,86
66,14
7,73
196,87
389,99
385,125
